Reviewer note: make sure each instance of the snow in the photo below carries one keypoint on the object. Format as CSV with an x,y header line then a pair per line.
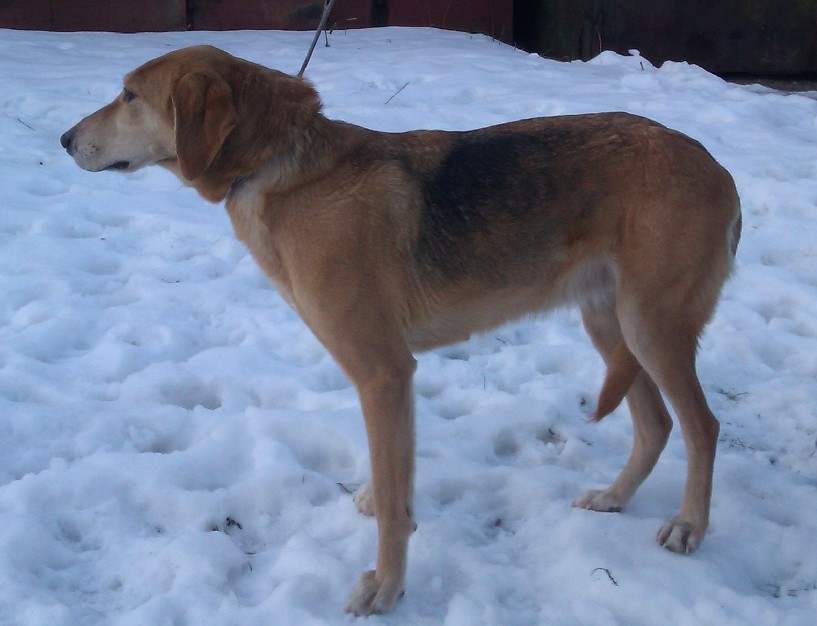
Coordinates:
x,y
178,449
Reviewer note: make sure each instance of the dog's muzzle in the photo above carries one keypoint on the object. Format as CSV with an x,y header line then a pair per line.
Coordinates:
x,y
67,142
66,138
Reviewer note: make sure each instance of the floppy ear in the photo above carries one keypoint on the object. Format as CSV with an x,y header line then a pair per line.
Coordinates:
x,y
205,115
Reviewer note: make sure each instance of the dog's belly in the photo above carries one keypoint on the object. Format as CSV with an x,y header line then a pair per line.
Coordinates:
x,y
436,334
454,323
463,314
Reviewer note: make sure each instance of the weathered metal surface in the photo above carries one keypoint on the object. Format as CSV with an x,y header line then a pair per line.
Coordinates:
x,y
357,14
492,17
255,14
125,16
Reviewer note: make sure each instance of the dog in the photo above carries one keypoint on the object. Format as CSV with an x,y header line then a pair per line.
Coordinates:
x,y
391,243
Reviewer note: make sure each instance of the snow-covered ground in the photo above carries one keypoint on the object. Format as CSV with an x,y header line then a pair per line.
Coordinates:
x,y
176,448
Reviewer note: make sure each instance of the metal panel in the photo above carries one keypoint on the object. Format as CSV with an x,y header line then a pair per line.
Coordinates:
x,y
256,14
492,17
356,14
126,16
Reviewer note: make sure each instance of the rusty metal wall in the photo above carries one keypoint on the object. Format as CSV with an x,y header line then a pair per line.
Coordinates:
x,y
125,16
254,14
492,17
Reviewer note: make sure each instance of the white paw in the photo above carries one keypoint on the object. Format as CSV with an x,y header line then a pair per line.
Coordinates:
x,y
364,499
371,597
598,500
680,535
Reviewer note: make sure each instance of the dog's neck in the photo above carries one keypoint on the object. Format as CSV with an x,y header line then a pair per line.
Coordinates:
x,y
237,184
306,154
278,124
309,155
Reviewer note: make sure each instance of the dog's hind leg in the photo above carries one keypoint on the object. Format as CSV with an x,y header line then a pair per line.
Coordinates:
x,y
651,421
664,340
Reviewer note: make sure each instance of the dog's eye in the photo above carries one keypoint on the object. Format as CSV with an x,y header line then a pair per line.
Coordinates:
x,y
128,95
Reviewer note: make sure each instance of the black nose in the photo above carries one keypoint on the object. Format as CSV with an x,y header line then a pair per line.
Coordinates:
x,y
65,140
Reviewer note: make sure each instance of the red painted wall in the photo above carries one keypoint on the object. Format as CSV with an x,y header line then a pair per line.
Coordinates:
x,y
125,16
492,17
255,14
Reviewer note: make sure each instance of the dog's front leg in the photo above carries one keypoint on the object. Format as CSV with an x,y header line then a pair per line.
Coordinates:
x,y
388,409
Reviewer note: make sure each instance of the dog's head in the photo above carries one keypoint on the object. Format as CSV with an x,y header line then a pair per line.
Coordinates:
x,y
181,111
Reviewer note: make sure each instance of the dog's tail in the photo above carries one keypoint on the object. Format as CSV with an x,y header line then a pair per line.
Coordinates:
x,y
622,368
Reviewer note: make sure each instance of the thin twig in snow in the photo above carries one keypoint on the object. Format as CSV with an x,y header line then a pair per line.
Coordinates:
x,y
394,95
606,571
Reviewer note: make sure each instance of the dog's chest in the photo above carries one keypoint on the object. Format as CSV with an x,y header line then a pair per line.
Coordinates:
x,y
246,210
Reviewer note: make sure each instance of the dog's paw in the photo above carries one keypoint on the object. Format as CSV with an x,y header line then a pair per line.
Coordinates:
x,y
364,499
372,597
598,500
680,535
